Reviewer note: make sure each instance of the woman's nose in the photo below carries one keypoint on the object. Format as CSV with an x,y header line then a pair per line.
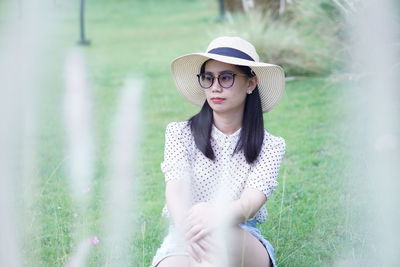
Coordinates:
x,y
216,87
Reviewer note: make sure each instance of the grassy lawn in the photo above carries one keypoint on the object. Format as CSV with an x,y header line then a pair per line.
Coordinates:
x,y
306,215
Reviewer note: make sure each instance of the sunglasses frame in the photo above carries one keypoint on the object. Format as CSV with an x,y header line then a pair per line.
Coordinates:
x,y
219,82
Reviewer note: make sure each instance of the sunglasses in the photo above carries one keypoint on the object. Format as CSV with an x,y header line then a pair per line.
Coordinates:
x,y
225,80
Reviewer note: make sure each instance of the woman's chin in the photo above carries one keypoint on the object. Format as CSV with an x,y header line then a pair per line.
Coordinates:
x,y
219,108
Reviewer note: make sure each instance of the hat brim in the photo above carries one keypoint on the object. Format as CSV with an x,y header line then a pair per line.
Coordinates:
x,y
271,78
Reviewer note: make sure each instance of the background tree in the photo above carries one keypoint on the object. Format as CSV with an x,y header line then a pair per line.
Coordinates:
x,y
275,7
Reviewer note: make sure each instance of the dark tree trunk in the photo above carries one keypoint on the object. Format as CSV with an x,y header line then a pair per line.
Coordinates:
x,y
82,40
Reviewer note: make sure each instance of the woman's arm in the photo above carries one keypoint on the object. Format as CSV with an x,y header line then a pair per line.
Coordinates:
x,y
177,194
247,206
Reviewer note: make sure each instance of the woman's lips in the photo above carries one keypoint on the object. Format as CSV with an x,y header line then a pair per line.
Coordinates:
x,y
217,100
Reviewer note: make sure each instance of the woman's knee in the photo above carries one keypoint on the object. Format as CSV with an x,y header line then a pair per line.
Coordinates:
x,y
203,263
235,247
247,250
174,261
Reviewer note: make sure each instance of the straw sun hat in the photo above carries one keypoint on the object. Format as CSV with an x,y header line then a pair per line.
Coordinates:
x,y
231,50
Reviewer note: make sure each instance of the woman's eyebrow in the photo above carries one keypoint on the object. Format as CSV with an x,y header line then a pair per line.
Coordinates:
x,y
221,72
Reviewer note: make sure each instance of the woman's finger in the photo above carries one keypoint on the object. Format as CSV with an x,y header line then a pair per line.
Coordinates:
x,y
198,251
202,250
198,235
207,243
193,231
193,253
208,249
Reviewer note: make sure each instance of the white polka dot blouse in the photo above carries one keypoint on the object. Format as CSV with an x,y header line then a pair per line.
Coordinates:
x,y
182,160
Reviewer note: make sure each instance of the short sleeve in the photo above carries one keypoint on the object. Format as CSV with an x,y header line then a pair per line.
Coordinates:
x,y
264,172
176,155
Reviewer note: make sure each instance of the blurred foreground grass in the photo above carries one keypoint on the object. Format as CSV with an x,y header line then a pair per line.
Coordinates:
x,y
140,38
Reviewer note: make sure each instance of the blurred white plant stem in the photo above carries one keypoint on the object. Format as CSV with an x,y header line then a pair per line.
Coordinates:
x,y
79,149
121,186
78,125
23,44
26,31
374,127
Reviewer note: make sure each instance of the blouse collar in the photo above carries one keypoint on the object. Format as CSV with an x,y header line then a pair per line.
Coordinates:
x,y
224,140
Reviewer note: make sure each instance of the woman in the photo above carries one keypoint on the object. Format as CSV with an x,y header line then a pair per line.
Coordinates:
x,y
221,165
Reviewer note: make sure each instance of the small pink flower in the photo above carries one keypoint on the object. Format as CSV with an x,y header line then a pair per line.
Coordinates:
x,y
86,191
94,240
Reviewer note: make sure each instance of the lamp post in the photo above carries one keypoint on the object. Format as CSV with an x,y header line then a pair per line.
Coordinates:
x,y
82,40
221,9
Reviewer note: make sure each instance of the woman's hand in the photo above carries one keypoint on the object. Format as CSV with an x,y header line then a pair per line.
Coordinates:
x,y
200,224
202,249
200,221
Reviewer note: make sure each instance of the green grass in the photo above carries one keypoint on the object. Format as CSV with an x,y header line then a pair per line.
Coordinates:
x,y
306,213
306,218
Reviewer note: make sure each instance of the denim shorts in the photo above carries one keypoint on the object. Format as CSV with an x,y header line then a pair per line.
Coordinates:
x,y
173,246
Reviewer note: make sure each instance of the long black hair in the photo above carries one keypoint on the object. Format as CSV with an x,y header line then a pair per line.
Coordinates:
x,y
251,135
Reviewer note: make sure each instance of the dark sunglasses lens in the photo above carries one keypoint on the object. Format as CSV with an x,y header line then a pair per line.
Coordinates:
x,y
226,80
206,80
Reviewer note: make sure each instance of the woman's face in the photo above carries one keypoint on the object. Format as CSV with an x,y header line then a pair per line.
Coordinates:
x,y
232,99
